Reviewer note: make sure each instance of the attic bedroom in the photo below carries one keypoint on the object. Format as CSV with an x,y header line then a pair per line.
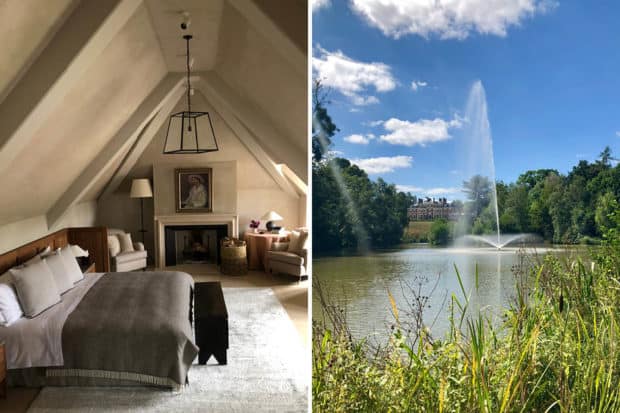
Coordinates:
x,y
154,164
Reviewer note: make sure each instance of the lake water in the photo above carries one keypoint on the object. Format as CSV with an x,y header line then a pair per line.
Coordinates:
x,y
361,283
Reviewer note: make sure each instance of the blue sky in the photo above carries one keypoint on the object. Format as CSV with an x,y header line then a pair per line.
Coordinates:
x,y
550,69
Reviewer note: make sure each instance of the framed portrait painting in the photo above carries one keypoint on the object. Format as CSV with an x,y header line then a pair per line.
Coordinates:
x,y
193,190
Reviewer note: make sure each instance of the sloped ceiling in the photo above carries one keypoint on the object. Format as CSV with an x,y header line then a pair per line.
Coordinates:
x,y
205,18
90,114
148,46
265,79
25,27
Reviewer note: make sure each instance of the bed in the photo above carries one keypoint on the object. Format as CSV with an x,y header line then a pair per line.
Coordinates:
x,y
109,329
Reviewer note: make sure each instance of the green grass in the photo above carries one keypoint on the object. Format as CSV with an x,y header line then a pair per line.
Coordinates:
x,y
558,350
419,231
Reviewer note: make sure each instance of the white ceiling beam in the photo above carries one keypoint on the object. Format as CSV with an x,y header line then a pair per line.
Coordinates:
x,y
80,40
144,140
124,138
296,57
280,148
223,108
297,182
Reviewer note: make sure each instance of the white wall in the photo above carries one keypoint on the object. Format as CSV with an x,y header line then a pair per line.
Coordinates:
x,y
18,233
224,185
241,184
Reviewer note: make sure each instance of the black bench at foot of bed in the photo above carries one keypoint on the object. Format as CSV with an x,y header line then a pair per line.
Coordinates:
x,y
211,322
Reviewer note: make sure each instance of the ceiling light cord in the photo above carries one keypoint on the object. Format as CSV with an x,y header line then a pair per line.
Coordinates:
x,y
189,86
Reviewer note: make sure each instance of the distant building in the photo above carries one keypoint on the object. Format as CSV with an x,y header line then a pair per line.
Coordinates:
x,y
430,209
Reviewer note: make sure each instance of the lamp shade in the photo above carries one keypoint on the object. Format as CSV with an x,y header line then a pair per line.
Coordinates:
x,y
141,188
272,216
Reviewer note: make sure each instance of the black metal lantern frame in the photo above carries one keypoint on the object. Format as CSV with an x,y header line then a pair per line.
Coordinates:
x,y
186,122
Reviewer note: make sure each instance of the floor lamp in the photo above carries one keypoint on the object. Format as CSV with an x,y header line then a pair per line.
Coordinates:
x,y
141,188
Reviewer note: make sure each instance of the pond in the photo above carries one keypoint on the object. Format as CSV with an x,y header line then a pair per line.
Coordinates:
x,y
363,284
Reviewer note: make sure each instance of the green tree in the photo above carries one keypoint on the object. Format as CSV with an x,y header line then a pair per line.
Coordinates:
x,y
439,232
323,128
514,210
607,205
479,192
479,208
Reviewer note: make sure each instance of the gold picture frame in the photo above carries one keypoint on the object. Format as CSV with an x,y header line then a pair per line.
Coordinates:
x,y
193,190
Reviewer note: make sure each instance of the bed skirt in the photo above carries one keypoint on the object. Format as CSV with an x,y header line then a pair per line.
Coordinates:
x,y
38,377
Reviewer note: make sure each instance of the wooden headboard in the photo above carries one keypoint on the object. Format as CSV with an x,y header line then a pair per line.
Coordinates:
x,y
93,239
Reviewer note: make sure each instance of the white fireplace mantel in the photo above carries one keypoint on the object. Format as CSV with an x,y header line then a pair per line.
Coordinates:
x,y
161,221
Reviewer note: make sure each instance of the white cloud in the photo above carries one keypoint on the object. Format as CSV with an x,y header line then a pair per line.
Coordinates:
x,y
409,188
442,191
421,132
320,4
352,78
383,164
452,192
618,133
415,85
448,19
359,139
373,123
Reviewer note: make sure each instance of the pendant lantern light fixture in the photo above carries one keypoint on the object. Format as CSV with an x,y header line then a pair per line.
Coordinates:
x,y
189,131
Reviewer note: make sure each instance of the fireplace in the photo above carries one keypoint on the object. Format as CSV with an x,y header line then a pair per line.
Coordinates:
x,y
193,244
188,222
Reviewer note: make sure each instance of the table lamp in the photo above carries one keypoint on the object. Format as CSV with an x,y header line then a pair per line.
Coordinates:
x,y
141,188
270,217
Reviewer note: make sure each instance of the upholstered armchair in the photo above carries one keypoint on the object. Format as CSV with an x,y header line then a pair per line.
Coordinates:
x,y
125,255
290,258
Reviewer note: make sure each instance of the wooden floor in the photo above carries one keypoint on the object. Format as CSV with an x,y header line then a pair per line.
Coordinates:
x,y
292,293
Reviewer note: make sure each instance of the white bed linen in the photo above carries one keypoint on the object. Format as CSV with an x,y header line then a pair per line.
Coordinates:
x,y
37,342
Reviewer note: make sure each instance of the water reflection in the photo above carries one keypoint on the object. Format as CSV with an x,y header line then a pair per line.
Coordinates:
x,y
362,283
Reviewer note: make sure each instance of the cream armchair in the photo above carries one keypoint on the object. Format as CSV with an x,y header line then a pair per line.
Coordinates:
x,y
124,254
290,258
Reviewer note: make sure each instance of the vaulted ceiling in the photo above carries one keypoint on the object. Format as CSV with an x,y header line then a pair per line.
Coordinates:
x,y
84,85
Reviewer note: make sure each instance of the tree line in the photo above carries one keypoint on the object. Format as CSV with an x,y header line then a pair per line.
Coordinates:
x,y
348,209
351,211
561,208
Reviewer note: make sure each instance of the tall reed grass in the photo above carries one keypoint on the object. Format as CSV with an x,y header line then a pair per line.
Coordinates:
x,y
557,350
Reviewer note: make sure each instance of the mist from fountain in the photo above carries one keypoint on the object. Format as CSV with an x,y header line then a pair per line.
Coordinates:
x,y
477,145
498,243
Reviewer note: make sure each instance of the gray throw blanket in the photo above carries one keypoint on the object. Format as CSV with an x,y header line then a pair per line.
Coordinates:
x,y
132,326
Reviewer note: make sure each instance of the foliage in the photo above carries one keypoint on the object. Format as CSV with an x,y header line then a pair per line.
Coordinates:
x,y
563,209
323,128
556,351
439,232
350,211
479,192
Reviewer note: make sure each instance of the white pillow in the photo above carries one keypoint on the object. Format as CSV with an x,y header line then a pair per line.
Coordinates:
x,y
56,264
47,251
126,244
32,260
10,310
35,287
73,268
114,245
297,242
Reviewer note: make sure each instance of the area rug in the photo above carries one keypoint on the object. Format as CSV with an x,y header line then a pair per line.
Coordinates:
x,y
266,372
